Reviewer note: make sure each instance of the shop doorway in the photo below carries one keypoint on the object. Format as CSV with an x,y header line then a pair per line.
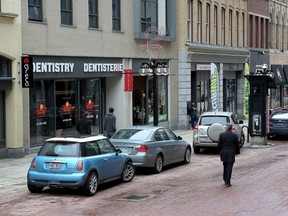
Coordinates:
x,y
229,95
65,107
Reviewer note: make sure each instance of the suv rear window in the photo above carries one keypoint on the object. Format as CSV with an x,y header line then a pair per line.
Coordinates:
x,y
60,149
209,120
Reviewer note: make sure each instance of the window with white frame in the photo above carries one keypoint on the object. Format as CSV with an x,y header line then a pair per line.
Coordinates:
x,y
189,20
93,14
35,10
223,26
116,18
199,21
207,36
66,12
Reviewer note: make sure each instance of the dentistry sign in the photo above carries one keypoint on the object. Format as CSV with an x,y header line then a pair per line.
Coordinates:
x,y
70,67
214,86
27,72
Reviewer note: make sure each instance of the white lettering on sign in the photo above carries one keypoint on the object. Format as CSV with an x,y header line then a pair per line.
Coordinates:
x,y
26,75
95,67
50,67
203,67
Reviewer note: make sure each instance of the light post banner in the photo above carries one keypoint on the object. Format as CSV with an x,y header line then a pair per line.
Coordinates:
x,y
214,86
246,92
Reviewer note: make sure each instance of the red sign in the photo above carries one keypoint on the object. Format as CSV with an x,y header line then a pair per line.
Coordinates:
x,y
41,111
67,108
89,105
128,75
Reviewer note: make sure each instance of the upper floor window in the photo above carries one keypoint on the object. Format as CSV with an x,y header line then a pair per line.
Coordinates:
x,y
149,14
93,14
66,12
189,20
35,10
237,29
116,18
215,24
230,28
243,29
207,37
223,26
199,21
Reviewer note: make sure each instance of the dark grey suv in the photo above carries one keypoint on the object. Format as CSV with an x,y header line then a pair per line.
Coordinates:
x,y
209,127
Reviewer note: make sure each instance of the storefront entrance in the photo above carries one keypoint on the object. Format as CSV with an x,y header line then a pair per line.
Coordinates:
x,y
56,106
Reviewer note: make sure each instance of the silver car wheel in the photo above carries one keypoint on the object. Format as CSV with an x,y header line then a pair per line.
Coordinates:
x,y
93,183
128,172
90,187
187,156
158,164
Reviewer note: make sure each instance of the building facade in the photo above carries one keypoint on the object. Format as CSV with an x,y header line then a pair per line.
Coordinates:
x,y
278,50
86,55
211,33
11,93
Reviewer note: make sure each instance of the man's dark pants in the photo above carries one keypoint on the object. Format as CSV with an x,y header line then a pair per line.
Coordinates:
x,y
228,166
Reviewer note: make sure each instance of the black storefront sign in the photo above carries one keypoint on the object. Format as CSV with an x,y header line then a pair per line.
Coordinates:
x,y
27,72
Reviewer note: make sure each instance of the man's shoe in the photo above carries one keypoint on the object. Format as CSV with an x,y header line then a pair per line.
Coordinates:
x,y
228,185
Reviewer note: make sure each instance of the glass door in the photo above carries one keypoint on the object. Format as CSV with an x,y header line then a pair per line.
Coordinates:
x,y
65,107
90,101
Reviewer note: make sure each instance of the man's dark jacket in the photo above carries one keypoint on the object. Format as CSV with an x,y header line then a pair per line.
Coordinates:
x,y
228,145
83,126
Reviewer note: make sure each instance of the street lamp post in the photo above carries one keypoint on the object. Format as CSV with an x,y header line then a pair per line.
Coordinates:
x,y
155,69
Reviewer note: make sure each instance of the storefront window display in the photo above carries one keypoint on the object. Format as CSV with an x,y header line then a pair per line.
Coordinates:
x,y
56,112
143,100
275,98
41,112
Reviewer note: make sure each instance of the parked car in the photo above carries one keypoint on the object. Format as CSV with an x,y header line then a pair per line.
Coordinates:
x,y
152,146
209,127
278,123
79,162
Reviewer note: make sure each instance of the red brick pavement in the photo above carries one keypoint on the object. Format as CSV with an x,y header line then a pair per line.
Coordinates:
x,y
259,188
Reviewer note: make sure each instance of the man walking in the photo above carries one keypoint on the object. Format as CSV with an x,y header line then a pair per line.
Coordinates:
x,y
229,147
110,123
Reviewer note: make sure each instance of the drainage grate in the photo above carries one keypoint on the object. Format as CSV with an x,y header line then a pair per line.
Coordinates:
x,y
135,197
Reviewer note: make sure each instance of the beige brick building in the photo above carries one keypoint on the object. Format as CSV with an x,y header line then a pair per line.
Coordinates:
x,y
211,32
82,53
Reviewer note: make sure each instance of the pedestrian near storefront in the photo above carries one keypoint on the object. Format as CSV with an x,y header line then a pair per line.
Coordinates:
x,y
109,123
83,126
229,147
191,111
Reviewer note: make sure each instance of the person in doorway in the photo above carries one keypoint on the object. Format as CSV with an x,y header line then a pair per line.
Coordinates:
x,y
83,126
109,123
191,110
229,147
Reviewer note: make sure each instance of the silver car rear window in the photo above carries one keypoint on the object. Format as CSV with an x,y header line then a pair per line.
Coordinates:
x,y
209,120
133,134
